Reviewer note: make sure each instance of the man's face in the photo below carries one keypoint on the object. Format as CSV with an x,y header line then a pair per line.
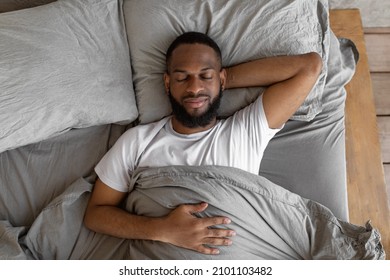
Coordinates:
x,y
194,81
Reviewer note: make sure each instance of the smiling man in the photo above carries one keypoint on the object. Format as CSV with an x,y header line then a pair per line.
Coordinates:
x,y
194,82
194,85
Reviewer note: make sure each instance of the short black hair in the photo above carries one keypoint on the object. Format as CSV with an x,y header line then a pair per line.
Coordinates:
x,y
193,38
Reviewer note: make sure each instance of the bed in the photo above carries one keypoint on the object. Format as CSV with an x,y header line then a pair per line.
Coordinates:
x,y
75,75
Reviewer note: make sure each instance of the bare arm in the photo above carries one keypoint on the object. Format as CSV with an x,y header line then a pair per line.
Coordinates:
x,y
289,80
180,227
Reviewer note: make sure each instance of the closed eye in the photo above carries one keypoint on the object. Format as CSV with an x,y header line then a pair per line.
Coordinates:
x,y
181,78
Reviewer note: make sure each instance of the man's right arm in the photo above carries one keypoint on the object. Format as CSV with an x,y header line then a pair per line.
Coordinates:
x,y
180,227
289,79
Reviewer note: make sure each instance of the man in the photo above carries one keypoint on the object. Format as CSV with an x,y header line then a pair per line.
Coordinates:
x,y
193,135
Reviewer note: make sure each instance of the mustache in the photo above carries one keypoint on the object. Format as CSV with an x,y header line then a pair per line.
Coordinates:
x,y
194,121
195,95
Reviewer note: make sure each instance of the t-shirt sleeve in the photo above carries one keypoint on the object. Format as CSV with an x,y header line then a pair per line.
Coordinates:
x,y
115,167
253,123
269,132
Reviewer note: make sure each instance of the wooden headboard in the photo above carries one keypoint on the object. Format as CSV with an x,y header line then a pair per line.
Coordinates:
x,y
366,182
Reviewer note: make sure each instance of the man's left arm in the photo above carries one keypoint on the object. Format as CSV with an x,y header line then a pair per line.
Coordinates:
x,y
289,79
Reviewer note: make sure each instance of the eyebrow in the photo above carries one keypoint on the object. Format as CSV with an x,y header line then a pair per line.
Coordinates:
x,y
201,70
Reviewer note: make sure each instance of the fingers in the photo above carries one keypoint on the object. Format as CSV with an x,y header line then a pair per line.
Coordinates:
x,y
213,221
195,208
199,234
209,246
208,222
219,233
219,237
210,243
218,241
215,237
207,250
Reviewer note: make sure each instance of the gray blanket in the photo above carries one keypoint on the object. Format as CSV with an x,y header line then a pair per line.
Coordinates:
x,y
271,222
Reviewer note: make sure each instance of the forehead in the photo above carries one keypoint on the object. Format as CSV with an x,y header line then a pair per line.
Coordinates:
x,y
194,56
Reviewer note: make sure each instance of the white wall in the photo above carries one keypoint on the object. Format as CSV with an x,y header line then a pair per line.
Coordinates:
x,y
375,13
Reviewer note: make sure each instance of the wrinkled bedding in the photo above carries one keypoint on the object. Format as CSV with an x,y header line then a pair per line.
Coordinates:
x,y
271,222
44,186
244,29
33,175
58,70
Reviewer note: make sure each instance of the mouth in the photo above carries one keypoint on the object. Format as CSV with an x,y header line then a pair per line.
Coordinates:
x,y
196,102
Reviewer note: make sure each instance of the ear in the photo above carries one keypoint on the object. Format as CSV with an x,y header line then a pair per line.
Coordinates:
x,y
166,82
223,77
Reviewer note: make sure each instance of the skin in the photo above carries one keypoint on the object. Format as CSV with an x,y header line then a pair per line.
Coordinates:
x,y
194,78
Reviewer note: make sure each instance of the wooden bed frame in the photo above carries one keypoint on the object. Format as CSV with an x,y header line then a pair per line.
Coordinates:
x,y
366,182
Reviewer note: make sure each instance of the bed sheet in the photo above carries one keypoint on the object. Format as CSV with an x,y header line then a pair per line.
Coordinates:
x,y
33,175
309,158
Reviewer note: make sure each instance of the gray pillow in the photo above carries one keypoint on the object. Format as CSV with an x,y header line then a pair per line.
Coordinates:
x,y
63,65
244,30
11,5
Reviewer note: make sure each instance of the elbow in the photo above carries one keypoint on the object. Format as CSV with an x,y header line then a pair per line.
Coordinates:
x,y
314,64
89,219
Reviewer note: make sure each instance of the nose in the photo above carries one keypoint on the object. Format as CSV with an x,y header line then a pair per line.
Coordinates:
x,y
194,85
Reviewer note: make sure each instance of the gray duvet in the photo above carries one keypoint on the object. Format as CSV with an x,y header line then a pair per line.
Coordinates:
x,y
271,222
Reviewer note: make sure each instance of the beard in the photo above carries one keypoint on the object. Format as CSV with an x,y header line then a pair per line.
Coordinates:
x,y
191,121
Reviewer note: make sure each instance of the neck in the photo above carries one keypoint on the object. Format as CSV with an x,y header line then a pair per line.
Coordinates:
x,y
180,128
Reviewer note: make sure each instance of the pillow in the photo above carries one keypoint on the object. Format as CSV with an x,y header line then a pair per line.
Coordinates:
x,y
11,5
63,65
244,30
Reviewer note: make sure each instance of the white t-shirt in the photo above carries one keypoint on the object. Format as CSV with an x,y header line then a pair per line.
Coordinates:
x,y
238,141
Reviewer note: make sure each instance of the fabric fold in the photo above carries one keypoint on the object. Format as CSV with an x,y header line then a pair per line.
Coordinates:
x,y
271,222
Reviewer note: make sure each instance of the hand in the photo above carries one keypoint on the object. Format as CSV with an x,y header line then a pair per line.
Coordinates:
x,y
183,229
